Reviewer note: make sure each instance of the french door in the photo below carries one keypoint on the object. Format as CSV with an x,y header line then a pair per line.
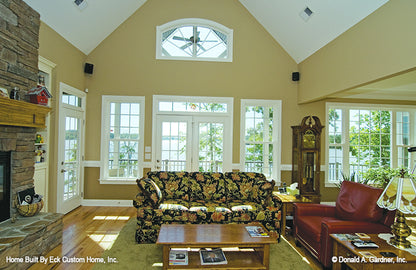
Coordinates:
x,y
192,143
71,148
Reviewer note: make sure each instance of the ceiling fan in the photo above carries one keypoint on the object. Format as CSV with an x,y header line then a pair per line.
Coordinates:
x,y
192,40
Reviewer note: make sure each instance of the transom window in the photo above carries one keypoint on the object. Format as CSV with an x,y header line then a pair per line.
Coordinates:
x,y
194,39
361,136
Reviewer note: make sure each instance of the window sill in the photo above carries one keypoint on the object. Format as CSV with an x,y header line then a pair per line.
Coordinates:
x,y
117,181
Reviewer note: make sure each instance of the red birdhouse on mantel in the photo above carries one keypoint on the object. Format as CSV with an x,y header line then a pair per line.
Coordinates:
x,y
39,95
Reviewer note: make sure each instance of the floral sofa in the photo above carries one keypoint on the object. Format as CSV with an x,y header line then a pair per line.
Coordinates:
x,y
196,198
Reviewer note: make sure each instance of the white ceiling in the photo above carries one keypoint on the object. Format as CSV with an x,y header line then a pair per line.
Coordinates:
x,y
301,39
86,29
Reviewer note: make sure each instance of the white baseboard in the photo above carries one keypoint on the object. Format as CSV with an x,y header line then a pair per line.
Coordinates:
x,y
121,203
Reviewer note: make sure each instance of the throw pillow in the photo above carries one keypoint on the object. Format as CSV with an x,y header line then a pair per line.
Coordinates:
x,y
150,190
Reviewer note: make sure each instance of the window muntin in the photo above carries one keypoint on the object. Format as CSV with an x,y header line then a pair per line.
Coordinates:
x,y
70,99
194,39
179,106
260,138
360,137
122,138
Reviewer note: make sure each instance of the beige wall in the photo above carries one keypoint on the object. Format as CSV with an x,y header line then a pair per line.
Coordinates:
x,y
69,69
125,64
381,45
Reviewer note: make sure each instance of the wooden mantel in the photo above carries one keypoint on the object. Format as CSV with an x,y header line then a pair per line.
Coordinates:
x,y
22,114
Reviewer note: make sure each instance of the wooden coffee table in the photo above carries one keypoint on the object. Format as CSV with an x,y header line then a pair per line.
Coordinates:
x,y
347,253
216,236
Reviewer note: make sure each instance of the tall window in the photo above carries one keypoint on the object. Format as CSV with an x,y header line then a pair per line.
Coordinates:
x,y
261,136
361,136
122,138
194,39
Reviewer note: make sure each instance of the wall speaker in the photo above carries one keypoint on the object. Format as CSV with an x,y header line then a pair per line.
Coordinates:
x,y
295,76
88,68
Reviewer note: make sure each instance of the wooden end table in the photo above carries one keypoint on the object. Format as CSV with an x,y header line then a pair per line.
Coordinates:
x,y
287,207
345,252
216,236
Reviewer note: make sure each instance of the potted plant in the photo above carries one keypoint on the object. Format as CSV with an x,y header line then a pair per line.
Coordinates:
x,y
380,177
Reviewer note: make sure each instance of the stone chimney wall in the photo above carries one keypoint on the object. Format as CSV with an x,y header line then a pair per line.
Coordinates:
x,y
19,44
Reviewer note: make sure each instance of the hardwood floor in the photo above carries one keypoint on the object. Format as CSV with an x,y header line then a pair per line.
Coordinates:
x,y
87,232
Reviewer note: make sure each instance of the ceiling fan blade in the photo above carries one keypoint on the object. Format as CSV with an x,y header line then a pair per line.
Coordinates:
x,y
186,46
180,38
202,48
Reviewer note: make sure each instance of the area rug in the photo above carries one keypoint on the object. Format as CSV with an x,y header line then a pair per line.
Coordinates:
x,y
130,255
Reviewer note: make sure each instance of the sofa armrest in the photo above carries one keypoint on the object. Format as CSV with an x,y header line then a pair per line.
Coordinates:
x,y
313,209
141,200
274,203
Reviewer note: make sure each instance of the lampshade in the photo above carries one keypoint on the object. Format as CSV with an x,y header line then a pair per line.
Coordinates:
x,y
399,194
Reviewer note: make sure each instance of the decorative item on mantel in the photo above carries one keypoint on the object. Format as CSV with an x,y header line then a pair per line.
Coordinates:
x,y
4,93
39,95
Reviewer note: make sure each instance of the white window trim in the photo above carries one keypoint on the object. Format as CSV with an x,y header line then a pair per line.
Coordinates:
x,y
277,134
194,22
105,127
365,106
228,116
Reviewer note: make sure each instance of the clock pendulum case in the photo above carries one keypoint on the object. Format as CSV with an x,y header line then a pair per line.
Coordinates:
x,y
306,157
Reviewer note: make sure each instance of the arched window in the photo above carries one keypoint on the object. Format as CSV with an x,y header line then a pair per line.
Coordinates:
x,y
194,39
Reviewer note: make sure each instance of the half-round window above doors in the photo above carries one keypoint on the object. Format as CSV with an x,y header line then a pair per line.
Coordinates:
x,y
194,39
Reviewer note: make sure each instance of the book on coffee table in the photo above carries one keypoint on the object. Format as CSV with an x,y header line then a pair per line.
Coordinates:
x,y
213,256
256,231
364,244
178,257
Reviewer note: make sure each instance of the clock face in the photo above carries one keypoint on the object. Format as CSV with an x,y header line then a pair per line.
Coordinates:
x,y
309,139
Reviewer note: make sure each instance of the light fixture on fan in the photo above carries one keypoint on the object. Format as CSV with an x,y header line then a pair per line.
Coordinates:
x,y
195,39
81,4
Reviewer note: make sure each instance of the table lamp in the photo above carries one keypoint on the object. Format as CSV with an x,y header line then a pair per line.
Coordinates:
x,y
400,195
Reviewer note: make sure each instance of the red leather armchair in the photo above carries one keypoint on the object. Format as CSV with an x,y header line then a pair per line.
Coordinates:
x,y
356,210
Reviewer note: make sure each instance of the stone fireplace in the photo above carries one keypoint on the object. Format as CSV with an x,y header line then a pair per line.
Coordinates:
x,y
19,43
19,143
4,185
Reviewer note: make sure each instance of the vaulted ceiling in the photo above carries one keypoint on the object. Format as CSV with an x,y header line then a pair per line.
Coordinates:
x,y
285,20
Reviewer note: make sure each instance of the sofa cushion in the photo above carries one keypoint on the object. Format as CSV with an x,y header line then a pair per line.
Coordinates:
x,y
150,190
358,202
248,186
207,186
173,211
245,211
174,185
208,212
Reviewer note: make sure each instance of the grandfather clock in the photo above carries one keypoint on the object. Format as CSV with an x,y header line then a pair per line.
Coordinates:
x,y
306,157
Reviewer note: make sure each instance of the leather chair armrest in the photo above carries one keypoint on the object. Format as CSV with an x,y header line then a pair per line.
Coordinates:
x,y
313,209
330,225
